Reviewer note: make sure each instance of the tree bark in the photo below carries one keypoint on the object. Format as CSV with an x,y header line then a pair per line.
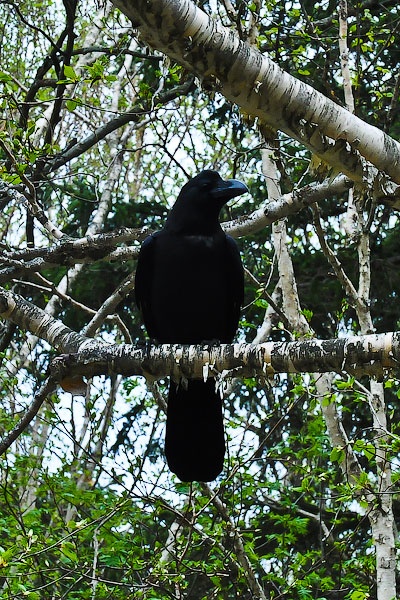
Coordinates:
x,y
188,35
368,354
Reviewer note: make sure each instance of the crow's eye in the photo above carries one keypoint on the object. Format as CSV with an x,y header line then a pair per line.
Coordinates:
x,y
206,185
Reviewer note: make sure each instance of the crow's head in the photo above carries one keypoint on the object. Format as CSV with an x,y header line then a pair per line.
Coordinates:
x,y
209,186
200,201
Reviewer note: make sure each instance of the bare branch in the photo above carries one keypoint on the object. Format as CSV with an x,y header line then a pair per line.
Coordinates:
x,y
133,114
238,544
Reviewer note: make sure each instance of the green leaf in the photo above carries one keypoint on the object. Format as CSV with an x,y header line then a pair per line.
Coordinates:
x,y
68,550
367,448
261,303
345,385
71,105
337,454
69,73
356,595
5,77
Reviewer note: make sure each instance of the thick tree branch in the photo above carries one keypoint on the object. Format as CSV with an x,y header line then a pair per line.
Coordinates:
x,y
250,79
29,317
79,249
370,354
275,209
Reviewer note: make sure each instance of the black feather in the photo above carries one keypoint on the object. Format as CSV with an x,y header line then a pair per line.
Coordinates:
x,y
189,287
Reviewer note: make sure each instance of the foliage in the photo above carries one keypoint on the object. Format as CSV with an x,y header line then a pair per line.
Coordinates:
x,y
87,506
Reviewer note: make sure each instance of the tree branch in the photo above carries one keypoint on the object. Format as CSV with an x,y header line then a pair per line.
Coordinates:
x,y
370,354
97,247
253,81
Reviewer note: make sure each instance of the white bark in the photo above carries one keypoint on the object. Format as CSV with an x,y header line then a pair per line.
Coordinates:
x,y
287,282
281,206
355,354
270,317
253,81
381,518
349,465
344,55
380,515
292,309
380,511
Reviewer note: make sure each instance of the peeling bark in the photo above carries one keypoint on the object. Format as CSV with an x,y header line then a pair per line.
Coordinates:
x,y
370,354
282,206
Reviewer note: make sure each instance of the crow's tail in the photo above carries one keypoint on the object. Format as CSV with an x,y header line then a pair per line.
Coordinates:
x,y
194,440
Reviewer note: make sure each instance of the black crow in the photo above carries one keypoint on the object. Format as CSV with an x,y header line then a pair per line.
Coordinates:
x,y
189,288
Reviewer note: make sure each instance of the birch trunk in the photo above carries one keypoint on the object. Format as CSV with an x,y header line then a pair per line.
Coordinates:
x,y
381,514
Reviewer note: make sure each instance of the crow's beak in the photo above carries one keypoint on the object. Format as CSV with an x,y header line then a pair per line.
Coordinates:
x,y
225,190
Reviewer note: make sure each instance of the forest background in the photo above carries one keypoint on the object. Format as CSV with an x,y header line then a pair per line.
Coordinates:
x,y
104,116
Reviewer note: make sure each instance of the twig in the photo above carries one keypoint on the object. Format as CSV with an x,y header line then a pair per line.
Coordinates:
x,y
47,388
